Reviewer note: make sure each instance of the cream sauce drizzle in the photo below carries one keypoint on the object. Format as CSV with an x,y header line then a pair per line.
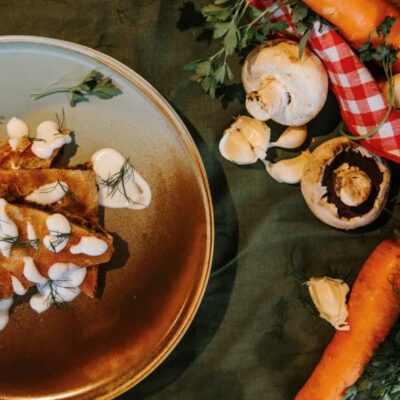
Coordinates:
x,y
92,246
50,139
16,130
132,191
8,230
5,306
49,193
60,230
18,287
63,286
31,272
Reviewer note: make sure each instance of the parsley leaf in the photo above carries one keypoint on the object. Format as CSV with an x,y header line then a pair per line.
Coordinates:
x,y
238,26
94,84
386,54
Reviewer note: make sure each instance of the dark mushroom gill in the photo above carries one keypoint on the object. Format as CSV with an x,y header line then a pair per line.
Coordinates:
x,y
366,164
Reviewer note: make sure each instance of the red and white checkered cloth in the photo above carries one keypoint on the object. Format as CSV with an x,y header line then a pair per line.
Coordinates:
x,y
362,103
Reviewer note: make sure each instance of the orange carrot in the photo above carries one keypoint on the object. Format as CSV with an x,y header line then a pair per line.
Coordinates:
x,y
373,310
358,19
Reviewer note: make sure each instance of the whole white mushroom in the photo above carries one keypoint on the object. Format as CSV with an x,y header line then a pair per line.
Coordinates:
x,y
282,86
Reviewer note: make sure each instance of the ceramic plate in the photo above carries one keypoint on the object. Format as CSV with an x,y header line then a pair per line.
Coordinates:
x,y
98,348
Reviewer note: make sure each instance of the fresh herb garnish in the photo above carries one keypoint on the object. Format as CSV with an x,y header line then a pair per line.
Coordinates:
x,y
64,187
94,84
238,25
304,19
58,238
62,127
117,181
381,378
18,241
55,298
387,55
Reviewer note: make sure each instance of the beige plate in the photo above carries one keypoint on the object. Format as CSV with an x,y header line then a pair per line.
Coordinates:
x,y
154,284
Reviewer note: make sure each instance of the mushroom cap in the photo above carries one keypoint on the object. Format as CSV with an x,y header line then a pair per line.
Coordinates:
x,y
300,85
321,182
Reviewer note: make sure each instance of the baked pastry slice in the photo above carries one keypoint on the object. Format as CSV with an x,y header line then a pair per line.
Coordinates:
x,y
30,235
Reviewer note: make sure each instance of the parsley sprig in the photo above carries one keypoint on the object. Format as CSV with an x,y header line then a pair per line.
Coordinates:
x,y
386,54
94,84
238,25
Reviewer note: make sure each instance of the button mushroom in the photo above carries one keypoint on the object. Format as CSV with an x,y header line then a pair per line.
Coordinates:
x,y
344,184
281,86
245,141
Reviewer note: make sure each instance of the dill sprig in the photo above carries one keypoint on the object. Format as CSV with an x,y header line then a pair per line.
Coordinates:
x,y
117,182
62,127
54,297
94,84
387,55
61,122
58,238
18,241
64,188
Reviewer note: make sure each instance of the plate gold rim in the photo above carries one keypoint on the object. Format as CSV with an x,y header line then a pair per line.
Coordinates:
x,y
117,388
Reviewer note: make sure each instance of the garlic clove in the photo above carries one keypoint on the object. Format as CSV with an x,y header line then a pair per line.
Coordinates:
x,y
291,138
234,147
329,297
245,141
288,171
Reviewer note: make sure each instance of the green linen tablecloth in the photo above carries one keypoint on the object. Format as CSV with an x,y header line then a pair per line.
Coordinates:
x,y
254,336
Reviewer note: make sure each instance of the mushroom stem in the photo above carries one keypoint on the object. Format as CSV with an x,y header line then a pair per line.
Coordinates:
x,y
268,100
353,187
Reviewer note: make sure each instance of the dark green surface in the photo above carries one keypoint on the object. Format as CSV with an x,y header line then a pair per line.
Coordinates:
x,y
253,337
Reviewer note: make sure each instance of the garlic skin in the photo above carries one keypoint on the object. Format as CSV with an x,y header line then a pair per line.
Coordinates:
x,y
329,297
288,171
291,138
245,141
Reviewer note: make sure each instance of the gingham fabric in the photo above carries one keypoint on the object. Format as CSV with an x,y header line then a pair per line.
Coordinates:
x,y
361,102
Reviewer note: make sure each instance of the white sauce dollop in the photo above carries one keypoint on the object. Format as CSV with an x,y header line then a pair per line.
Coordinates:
x,y
92,246
49,193
8,230
31,272
63,286
5,306
50,139
18,287
16,130
131,191
60,231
